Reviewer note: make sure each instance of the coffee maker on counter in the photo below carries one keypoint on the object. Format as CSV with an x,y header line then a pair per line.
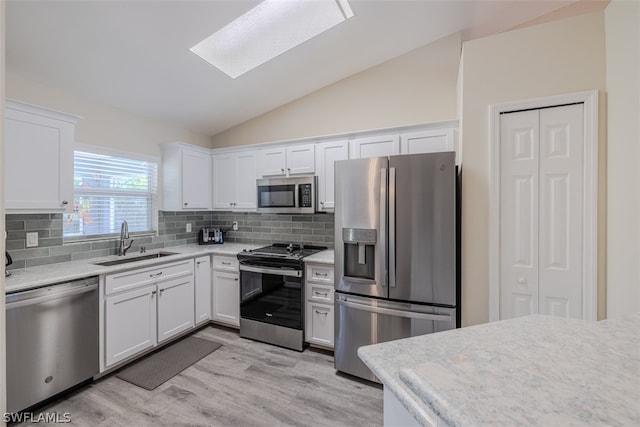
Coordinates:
x,y
210,236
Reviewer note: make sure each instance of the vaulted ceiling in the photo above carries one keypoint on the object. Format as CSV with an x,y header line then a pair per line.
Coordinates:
x,y
134,55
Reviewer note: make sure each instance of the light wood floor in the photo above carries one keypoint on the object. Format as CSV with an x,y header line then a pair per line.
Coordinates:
x,y
244,383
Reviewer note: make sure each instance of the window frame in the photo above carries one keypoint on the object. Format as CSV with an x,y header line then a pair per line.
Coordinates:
x,y
154,208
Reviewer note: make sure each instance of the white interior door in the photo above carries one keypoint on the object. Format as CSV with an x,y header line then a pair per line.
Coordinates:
x,y
541,218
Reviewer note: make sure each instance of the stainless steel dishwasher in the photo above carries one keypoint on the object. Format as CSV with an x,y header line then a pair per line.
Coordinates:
x,y
52,340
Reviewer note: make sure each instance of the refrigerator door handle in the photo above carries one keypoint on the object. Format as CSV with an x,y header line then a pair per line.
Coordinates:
x,y
382,227
392,227
393,312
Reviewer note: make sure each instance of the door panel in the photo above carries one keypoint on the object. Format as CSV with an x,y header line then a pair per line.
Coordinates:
x,y
561,152
361,208
519,214
422,228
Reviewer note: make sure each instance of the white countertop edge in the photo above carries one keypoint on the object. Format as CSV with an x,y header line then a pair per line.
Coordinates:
x,y
44,275
322,257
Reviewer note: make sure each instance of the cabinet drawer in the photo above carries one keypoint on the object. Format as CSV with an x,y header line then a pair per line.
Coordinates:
x,y
131,279
321,273
225,263
320,293
319,327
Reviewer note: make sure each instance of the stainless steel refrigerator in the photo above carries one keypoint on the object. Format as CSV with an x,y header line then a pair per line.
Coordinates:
x,y
396,252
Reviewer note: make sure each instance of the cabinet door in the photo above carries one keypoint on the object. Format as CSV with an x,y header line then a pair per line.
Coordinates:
x,y
319,328
196,180
130,324
224,171
226,298
374,146
300,159
245,182
38,162
175,307
203,286
327,153
273,161
429,141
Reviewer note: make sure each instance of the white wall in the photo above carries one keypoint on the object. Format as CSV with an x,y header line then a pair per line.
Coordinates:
x,y
622,26
101,124
417,87
548,59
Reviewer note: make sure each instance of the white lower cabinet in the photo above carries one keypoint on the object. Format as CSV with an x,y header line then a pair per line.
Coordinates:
x,y
130,325
147,307
319,330
203,287
175,307
226,291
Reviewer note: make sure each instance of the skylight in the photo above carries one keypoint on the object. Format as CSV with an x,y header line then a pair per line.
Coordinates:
x,y
268,30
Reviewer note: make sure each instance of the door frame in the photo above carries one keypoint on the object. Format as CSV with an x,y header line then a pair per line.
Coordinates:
x,y
589,203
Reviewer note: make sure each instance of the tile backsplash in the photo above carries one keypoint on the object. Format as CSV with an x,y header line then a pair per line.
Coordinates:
x,y
312,229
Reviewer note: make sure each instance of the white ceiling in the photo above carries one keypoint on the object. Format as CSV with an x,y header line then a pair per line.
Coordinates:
x,y
134,55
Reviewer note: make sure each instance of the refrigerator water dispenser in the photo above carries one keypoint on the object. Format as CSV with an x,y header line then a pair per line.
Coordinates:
x,y
359,253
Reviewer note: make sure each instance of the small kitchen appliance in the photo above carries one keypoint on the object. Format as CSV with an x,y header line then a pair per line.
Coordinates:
x,y
210,236
272,294
287,195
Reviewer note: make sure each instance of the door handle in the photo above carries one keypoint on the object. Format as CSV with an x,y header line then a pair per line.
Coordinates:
x,y
394,312
382,226
392,227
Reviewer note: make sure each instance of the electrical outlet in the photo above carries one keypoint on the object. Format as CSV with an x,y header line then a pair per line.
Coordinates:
x,y
32,239
235,225
189,228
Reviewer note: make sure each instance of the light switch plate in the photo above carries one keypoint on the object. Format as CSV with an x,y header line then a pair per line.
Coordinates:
x,y
189,228
32,239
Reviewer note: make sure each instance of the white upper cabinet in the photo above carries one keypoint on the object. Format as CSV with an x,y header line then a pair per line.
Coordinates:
x,y
327,153
38,159
186,178
234,181
374,146
286,161
428,141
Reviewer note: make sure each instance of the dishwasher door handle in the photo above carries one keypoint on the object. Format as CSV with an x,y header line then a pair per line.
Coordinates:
x,y
54,295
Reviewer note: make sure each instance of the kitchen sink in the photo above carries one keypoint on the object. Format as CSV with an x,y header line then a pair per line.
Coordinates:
x,y
134,259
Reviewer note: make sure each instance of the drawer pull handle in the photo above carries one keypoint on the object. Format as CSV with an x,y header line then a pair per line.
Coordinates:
x,y
200,262
321,274
153,292
322,312
156,274
236,279
226,263
324,294
65,202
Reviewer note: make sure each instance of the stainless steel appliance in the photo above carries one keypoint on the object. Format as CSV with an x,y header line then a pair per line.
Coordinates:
x,y
396,269
272,294
210,236
52,340
287,195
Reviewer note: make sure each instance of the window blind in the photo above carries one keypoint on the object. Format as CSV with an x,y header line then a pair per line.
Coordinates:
x,y
109,190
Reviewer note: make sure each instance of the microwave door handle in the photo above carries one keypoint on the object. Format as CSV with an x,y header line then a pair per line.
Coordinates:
x,y
382,227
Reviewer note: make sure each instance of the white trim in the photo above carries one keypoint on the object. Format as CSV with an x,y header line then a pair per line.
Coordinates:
x,y
108,151
14,104
590,196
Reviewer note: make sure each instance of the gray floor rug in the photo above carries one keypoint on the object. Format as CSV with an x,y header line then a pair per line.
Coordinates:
x,y
159,367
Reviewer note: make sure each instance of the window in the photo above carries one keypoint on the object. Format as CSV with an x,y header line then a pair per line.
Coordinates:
x,y
109,189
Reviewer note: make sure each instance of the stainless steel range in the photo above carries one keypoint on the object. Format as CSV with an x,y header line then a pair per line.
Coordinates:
x,y
272,294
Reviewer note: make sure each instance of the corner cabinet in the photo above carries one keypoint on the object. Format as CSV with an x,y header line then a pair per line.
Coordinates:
x,y
327,153
38,158
186,178
287,161
226,290
234,181
319,329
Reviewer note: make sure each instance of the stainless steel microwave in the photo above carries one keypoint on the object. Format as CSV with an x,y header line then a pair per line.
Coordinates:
x,y
287,195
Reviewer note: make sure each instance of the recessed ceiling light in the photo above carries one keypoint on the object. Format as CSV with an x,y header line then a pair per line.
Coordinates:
x,y
268,30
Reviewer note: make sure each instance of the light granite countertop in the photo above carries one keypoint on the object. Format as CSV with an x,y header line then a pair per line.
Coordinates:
x,y
529,371
54,273
323,257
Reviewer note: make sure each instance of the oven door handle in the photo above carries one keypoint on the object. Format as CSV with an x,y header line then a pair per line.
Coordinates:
x,y
276,271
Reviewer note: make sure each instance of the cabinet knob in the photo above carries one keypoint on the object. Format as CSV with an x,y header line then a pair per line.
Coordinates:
x,y
321,203
65,202
153,292
186,204
282,169
289,169
236,279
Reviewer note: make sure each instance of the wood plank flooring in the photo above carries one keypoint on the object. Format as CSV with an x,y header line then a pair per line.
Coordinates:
x,y
244,383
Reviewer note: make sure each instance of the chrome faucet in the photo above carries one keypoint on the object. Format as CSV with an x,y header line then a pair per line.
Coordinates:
x,y
124,234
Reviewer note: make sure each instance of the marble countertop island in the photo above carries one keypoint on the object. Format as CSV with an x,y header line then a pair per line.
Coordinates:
x,y
528,371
